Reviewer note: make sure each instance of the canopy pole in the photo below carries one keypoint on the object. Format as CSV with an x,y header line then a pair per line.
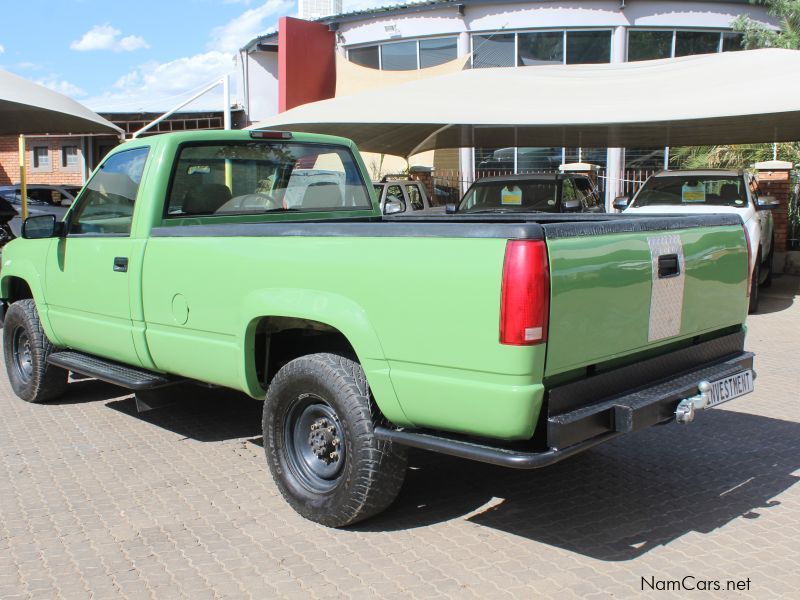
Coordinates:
x,y
23,183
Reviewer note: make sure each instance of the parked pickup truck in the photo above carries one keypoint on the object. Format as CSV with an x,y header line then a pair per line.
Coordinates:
x,y
399,196
516,340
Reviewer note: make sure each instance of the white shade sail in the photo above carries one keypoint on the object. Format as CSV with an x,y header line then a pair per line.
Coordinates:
x,y
29,108
727,98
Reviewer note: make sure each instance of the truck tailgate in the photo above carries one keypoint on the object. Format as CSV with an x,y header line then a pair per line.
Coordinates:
x,y
619,288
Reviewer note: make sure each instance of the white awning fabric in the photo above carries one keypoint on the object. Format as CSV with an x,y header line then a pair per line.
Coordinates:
x,y
727,98
29,108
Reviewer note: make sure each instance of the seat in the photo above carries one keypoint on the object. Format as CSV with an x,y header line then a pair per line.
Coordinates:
x,y
205,199
322,195
729,192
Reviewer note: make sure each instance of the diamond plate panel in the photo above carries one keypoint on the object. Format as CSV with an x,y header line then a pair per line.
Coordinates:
x,y
666,299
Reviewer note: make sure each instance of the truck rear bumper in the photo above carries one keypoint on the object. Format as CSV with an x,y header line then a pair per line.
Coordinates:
x,y
573,425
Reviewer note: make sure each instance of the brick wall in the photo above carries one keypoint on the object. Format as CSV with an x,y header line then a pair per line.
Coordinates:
x,y
777,183
55,174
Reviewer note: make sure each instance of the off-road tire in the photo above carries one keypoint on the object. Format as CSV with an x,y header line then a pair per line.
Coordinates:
x,y
25,348
754,287
371,472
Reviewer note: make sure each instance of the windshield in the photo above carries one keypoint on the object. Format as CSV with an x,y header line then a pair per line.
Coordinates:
x,y
511,196
682,190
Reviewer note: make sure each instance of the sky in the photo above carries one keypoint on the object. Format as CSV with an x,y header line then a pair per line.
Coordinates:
x,y
113,58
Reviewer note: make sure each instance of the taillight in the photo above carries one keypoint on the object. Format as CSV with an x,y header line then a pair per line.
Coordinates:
x,y
749,259
525,294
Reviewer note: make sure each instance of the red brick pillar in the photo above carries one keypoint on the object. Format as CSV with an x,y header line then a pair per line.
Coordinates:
x,y
774,179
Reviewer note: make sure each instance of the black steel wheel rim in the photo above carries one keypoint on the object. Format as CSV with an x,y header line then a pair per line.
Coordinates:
x,y
22,354
314,443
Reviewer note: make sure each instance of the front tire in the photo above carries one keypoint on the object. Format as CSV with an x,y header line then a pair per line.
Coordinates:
x,y
25,348
319,440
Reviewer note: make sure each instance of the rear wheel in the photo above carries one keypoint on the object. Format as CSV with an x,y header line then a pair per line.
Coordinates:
x,y
25,348
754,284
319,440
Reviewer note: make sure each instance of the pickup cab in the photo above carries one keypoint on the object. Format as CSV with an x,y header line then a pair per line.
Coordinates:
x,y
512,339
400,195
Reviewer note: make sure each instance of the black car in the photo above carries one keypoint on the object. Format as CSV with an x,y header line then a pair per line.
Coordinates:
x,y
42,200
553,192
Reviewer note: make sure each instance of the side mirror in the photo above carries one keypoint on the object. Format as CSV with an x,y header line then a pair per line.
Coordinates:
x,y
621,202
450,208
41,227
570,205
767,203
392,207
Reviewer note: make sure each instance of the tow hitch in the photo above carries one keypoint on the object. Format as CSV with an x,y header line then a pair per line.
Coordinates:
x,y
685,411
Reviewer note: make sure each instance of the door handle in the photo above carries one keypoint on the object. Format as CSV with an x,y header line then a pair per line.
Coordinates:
x,y
121,264
668,266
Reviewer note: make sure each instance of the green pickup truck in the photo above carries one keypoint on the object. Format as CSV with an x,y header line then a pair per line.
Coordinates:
x,y
259,261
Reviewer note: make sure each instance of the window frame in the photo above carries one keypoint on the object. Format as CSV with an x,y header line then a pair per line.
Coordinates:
x,y
65,166
173,219
674,31
379,46
82,199
35,162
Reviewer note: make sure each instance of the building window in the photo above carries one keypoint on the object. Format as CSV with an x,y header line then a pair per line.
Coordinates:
x,y
649,45
401,56
594,156
41,157
366,57
588,47
437,51
539,159
696,42
540,48
494,161
732,41
69,156
493,50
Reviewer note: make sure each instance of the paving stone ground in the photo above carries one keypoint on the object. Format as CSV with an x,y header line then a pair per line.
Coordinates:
x,y
97,501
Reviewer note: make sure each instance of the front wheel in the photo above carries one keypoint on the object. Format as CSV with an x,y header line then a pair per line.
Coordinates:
x,y
25,348
319,440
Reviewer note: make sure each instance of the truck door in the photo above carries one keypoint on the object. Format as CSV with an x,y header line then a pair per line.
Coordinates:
x,y
87,278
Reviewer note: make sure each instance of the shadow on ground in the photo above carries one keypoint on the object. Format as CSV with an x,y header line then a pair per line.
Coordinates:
x,y
618,501
203,414
781,295
613,503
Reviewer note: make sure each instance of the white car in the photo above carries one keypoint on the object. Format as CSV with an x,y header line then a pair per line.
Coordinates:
x,y
714,191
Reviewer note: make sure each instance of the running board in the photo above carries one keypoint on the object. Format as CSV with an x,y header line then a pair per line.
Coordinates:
x,y
502,457
132,378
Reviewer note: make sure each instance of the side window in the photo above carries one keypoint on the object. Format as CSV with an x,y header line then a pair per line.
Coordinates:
x,y
414,197
585,188
106,205
568,191
395,194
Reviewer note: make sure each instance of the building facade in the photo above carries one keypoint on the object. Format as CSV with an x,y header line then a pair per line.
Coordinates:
x,y
512,34
317,9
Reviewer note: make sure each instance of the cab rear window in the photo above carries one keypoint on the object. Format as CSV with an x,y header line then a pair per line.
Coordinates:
x,y
260,177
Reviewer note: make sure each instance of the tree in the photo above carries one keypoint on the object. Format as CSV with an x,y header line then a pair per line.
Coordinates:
x,y
755,35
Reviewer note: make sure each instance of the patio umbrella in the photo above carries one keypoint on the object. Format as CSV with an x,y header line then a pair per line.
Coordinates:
x,y
29,108
732,97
